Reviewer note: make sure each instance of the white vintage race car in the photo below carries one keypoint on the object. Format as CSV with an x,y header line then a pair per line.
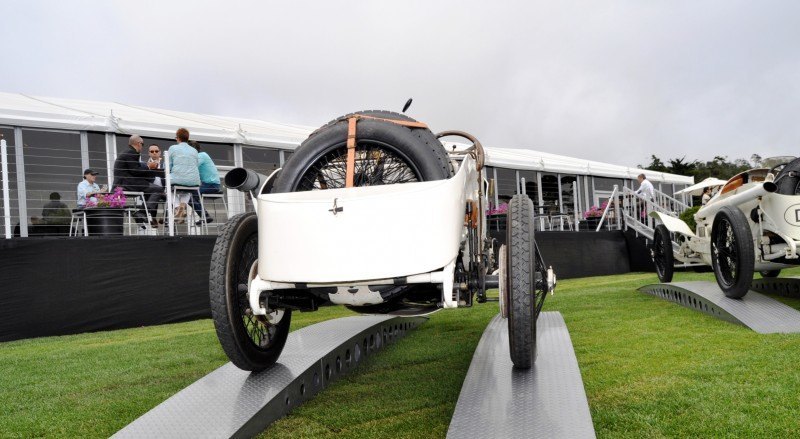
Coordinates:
x,y
752,224
370,212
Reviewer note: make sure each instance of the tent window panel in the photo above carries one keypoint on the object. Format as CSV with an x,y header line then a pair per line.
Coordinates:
x,y
220,153
261,160
667,189
52,173
506,184
607,184
97,156
550,189
531,187
568,193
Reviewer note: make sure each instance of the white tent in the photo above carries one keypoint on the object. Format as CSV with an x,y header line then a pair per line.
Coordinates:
x,y
697,189
72,114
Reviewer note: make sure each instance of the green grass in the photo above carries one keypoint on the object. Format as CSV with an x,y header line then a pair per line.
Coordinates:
x,y
651,369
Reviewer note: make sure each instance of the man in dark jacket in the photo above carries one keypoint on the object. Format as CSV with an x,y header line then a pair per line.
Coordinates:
x,y
133,175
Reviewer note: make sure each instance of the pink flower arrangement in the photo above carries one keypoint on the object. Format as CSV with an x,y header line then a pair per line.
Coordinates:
x,y
499,210
595,212
114,199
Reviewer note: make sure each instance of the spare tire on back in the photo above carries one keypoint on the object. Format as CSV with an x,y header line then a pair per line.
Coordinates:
x,y
386,153
788,179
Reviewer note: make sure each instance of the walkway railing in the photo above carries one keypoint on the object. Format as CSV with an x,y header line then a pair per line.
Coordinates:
x,y
636,210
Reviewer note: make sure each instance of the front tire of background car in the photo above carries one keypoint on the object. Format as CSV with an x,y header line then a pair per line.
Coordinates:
x,y
732,252
663,258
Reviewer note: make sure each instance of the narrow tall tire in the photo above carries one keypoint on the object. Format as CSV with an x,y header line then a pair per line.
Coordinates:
x,y
663,258
770,273
732,253
386,153
250,342
521,306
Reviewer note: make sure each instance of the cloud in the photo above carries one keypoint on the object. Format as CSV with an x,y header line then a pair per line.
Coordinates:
x,y
608,81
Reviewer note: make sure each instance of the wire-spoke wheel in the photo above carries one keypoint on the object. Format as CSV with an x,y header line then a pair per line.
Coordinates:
x,y
376,163
732,253
385,153
251,342
663,258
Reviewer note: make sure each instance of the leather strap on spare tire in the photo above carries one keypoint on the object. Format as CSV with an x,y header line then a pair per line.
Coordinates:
x,y
352,123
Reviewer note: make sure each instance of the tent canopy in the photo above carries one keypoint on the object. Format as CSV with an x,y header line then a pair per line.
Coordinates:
x,y
72,114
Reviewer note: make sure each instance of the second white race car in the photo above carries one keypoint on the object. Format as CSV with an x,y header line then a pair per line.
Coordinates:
x,y
752,224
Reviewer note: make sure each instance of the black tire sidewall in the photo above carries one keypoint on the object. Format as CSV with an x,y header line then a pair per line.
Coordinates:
x,y
744,247
666,247
521,282
224,301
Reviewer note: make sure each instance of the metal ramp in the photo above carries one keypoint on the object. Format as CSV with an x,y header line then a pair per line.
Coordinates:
x,y
756,311
779,286
230,402
548,400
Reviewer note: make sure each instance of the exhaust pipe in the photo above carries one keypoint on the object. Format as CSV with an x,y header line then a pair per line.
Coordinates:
x,y
244,180
751,194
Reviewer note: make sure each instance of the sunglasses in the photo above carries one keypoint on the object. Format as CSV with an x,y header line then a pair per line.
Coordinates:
x,y
153,151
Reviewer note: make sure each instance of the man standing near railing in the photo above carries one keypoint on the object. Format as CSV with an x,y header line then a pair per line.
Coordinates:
x,y
647,191
645,188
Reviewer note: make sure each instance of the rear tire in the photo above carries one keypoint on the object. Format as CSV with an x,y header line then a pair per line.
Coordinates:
x,y
521,306
663,258
387,153
732,252
250,342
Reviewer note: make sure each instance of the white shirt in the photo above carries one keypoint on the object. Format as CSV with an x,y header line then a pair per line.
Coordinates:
x,y
646,189
85,188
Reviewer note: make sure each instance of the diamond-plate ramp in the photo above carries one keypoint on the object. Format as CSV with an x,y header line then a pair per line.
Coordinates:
x,y
230,402
548,400
779,286
756,311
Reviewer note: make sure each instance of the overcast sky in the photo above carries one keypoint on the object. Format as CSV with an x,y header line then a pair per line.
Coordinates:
x,y
608,81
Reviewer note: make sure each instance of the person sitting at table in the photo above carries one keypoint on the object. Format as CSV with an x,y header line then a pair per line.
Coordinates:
x,y
88,188
56,216
184,170
132,175
209,181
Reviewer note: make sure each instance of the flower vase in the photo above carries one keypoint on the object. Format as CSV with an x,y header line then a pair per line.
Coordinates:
x,y
104,221
592,223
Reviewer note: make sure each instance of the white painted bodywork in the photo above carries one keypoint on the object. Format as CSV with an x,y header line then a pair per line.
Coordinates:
x,y
373,235
780,215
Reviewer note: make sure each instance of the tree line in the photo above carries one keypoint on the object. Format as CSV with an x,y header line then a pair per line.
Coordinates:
x,y
719,167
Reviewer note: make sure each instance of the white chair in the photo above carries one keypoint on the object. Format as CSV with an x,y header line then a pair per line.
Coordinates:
x,y
213,198
191,227
541,222
561,219
138,198
78,218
